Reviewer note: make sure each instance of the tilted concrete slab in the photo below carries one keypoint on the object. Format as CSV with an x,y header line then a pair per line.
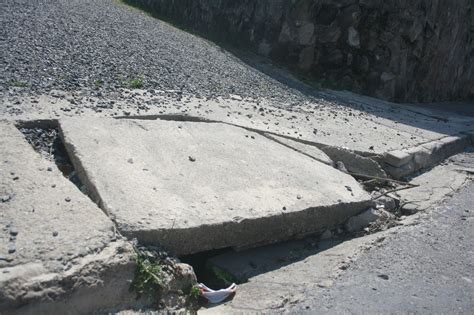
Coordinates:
x,y
58,252
194,186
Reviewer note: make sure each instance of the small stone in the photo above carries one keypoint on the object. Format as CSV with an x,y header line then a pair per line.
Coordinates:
x,y
299,197
55,233
13,231
67,199
49,169
353,38
383,276
236,97
192,158
326,235
5,198
130,161
4,258
340,166
11,248
326,284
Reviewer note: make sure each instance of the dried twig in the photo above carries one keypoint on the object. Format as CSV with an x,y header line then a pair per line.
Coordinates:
x,y
392,190
383,179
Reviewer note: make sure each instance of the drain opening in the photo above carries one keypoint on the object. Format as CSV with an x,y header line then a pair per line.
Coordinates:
x,y
47,142
208,274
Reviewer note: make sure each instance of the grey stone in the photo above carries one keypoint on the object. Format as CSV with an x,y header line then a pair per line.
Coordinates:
x,y
183,206
5,198
305,33
329,34
353,37
361,221
13,231
306,58
387,76
326,235
11,248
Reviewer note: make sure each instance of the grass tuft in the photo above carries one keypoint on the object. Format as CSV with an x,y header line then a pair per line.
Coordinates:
x,y
148,276
17,83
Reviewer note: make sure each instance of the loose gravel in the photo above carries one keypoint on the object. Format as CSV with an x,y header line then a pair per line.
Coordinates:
x,y
90,44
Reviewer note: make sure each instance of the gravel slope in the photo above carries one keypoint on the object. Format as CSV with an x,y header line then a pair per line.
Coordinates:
x,y
75,44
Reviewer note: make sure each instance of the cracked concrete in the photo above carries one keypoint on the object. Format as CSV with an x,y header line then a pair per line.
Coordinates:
x,y
438,184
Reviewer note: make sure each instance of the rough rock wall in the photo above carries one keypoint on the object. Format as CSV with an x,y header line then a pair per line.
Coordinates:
x,y
401,50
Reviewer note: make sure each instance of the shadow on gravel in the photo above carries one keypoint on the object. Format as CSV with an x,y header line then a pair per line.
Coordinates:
x,y
433,117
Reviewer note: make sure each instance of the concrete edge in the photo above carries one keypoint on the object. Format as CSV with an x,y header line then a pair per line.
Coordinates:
x,y
280,227
403,163
91,189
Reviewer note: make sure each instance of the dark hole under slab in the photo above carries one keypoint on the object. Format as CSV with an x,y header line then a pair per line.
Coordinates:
x,y
205,273
47,142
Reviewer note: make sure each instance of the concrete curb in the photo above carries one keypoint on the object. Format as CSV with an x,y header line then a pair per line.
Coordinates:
x,y
402,163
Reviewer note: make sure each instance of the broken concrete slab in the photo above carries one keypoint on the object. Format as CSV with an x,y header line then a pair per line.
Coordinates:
x,y
437,184
59,252
194,186
354,162
309,150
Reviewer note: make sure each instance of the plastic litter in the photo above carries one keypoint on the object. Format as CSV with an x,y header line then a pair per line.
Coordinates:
x,y
217,296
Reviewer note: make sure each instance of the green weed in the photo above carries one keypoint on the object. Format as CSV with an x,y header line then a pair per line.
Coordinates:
x,y
17,83
148,276
98,83
136,83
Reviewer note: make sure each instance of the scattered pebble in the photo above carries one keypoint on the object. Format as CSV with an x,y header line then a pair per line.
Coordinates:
x,y
5,198
13,231
11,248
383,276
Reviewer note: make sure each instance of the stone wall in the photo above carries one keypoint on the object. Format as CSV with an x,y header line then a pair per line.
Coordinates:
x,y
400,50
